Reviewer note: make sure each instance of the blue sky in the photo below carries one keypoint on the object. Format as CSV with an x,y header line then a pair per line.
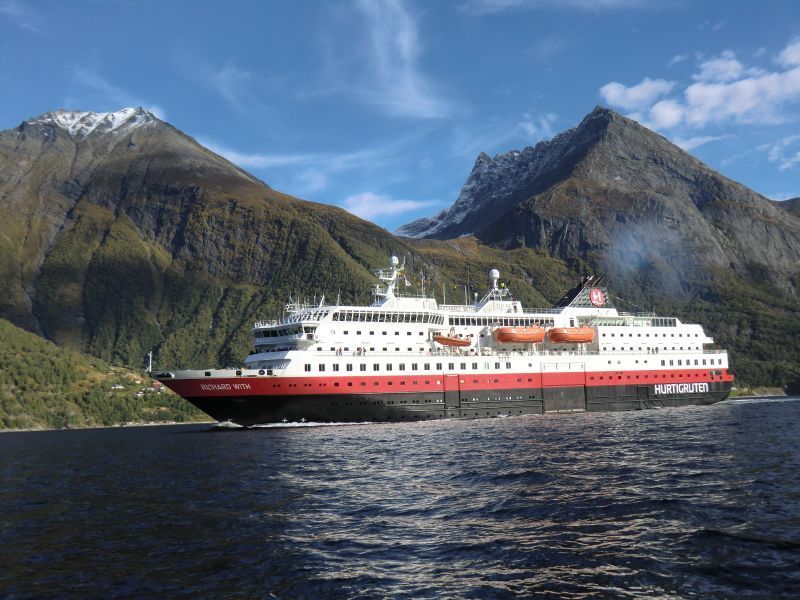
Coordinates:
x,y
382,106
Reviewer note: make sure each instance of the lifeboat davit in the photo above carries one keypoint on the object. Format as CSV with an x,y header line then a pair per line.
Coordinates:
x,y
571,335
451,340
519,335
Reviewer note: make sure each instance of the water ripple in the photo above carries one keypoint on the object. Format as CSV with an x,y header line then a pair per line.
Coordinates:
x,y
691,502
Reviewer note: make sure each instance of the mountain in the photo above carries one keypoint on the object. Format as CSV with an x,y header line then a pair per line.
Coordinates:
x,y
120,234
792,205
668,232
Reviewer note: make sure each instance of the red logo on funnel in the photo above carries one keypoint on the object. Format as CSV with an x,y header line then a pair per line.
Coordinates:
x,y
597,297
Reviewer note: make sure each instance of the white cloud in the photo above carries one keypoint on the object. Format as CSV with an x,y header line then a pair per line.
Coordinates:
x,y
665,114
678,58
485,7
724,91
369,205
384,70
721,68
790,56
693,142
92,89
637,96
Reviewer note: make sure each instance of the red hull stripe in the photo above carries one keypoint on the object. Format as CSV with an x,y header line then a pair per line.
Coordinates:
x,y
407,382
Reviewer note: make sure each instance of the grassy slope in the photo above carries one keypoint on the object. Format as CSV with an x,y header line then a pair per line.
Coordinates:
x,y
45,386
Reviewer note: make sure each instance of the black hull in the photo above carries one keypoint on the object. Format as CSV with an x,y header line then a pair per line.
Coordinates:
x,y
423,406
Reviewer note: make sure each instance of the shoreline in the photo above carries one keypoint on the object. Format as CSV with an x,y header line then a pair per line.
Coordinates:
x,y
117,426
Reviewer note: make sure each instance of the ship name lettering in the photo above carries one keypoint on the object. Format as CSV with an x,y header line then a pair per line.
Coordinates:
x,y
213,387
681,388
241,386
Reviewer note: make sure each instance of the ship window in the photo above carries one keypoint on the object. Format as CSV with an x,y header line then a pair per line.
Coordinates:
x,y
463,366
349,367
427,366
438,366
402,366
397,333
496,365
408,332
335,366
474,365
321,367
346,332
362,367
670,363
451,366
704,361
508,365
307,368
375,367
389,366
358,333
413,366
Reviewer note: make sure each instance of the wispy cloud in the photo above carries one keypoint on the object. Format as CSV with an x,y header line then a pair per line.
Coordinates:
x,y
89,90
546,48
694,142
310,172
229,81
784,151
21,15
385,71
678,58
528,129
487,7
369,205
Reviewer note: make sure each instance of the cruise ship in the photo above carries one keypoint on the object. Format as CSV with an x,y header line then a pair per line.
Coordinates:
x,y
409,358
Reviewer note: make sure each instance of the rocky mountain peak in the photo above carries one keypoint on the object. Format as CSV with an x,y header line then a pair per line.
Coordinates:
x,y
498,183
81,124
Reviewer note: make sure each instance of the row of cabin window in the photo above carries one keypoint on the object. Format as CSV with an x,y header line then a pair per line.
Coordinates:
x,y
278,332
503,321
648,335
388,317
622,321
655,349
402,366
689,362
382,332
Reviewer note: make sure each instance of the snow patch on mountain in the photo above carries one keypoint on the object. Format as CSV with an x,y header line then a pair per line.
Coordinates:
x,y
80,124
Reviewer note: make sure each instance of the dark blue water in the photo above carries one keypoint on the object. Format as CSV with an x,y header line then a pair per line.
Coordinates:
x,y
689,502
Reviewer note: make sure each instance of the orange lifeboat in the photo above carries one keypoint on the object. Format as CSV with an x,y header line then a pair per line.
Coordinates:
x,y
519,335
451,340
571,335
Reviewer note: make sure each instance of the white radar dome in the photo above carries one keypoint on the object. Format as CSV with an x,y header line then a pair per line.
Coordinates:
x,y
494,274
395,261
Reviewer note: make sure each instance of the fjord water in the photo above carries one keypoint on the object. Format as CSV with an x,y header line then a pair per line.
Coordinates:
x,y
696,501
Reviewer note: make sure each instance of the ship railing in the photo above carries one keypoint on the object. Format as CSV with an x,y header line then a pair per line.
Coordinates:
x,y
468,308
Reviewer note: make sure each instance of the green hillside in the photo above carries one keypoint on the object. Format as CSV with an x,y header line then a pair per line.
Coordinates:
x,y
44,386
